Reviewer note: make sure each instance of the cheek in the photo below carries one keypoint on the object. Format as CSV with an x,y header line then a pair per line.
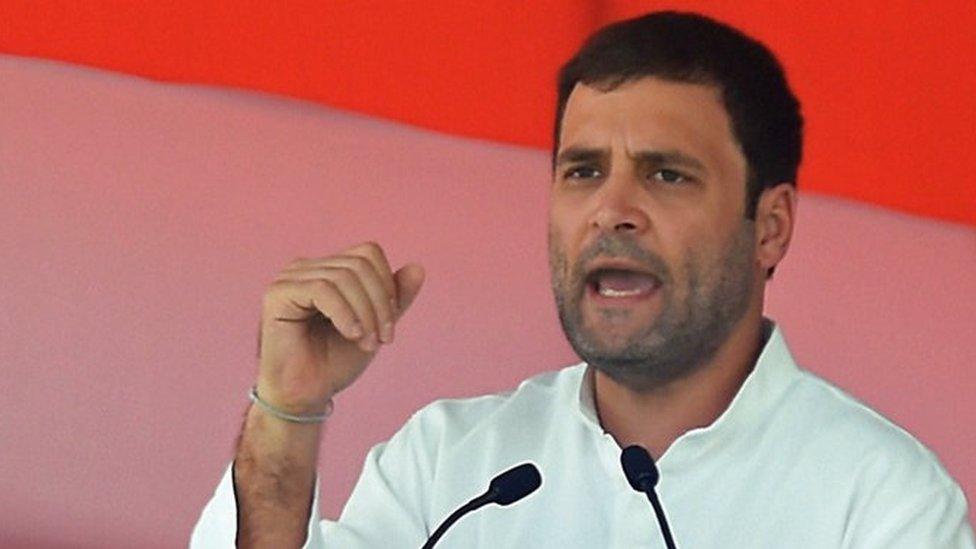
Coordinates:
x,y
682,243
557,218
561,262
557,253
561,231
705,266
692,257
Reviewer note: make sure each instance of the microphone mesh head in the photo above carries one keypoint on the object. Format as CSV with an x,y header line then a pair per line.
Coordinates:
x,y
515,484
639,468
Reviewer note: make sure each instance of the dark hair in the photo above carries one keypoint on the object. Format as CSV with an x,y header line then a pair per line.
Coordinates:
x,y
692,48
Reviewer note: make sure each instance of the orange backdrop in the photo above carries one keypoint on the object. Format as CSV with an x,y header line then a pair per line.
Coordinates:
x,y
887,87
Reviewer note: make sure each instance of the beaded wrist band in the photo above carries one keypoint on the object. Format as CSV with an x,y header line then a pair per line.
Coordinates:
x,y
329,406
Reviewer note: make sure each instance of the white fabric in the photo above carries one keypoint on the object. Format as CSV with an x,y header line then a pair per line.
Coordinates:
x,y
792,462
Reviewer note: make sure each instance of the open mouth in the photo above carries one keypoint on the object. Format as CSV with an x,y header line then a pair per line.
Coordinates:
x,y
611,283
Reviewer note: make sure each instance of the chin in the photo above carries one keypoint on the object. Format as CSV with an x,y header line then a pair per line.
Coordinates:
x,y
623,347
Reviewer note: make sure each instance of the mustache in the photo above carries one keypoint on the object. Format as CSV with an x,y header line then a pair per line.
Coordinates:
x,y
621,248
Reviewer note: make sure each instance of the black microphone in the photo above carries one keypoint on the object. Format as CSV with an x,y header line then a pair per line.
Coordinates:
x,y
642,476
505,489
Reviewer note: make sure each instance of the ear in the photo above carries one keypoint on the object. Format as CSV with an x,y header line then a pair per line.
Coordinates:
x,y
775,217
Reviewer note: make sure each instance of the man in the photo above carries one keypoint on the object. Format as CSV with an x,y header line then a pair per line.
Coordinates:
x,y
673,198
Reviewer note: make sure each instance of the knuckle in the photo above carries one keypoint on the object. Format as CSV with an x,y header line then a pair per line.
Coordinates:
x,y
370,249
321,285
273,294
379,254
362,263
275,288
296,262
343,275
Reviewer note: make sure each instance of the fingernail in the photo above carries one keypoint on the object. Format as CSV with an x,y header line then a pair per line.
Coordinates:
x,y
393,306
388,332
356,330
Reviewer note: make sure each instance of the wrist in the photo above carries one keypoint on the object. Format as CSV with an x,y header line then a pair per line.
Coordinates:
x,y
266,439
306,414
293,397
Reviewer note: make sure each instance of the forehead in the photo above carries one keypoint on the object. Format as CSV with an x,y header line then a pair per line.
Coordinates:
x,y
650,113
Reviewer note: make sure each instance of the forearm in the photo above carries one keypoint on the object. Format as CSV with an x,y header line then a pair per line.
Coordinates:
x,y
322,321
274,476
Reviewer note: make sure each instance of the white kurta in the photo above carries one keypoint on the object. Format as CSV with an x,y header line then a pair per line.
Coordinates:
x,y
793,462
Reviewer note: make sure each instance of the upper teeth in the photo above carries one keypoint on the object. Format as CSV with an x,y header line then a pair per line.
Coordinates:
x,y
610,292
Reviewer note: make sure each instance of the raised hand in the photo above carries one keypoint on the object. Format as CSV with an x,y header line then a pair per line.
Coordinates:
x,y
323,321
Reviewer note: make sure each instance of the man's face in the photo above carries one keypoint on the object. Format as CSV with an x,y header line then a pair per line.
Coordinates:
x,y
652,260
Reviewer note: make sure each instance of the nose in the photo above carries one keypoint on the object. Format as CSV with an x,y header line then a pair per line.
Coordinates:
x,y
618,207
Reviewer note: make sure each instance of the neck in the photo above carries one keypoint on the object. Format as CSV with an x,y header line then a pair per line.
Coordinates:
x,y
655,419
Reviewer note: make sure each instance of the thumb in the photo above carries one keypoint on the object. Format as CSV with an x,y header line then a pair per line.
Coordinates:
x,y
408,281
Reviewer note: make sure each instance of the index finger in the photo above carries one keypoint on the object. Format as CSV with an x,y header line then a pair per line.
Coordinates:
x,y
372,252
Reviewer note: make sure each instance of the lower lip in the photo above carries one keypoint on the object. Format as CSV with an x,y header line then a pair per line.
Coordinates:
x,y
622,301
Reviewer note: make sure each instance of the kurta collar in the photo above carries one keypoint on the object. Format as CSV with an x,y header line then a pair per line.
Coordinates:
x,y
774,371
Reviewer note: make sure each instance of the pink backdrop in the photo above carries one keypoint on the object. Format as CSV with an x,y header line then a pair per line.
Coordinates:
x,y
141,222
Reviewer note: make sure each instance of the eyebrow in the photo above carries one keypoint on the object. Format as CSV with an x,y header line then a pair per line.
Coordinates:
x,y
653,157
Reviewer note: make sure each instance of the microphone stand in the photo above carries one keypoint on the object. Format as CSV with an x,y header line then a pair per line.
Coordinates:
x,y
663,522
505,489
477,502
642,475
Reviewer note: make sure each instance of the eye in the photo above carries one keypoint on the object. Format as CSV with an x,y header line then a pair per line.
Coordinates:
x,y
670,176
581,172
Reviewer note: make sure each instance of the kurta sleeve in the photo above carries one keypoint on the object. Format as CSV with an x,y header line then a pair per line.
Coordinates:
x,y
934,520
910,503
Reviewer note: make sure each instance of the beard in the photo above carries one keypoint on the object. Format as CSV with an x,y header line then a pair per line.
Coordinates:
x,y
686,332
